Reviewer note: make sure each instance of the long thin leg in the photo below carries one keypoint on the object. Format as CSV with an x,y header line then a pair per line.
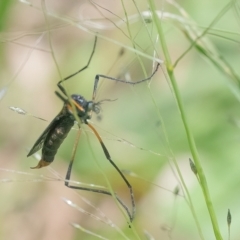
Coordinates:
x,y
72,75
119,80
68,176
118,170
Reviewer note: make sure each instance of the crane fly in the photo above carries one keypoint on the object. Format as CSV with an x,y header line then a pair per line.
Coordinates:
x,y
58,129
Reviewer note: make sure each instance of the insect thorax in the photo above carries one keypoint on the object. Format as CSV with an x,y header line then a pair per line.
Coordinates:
x,y
86,106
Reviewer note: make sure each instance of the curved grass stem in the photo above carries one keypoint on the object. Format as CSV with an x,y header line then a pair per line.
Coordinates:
x,y
191,141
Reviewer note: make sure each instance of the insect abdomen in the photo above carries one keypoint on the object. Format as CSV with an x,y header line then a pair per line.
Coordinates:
x,y
54,139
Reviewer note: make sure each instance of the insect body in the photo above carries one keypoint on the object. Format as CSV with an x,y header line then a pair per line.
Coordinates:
x,y
56,132
53,137
58,129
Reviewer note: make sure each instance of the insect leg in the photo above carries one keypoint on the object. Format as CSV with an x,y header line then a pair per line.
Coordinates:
x,y
72,75
120,80
94,190
118,170
68,176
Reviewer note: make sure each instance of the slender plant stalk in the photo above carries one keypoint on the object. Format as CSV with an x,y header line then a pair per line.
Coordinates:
x,y
224,10
192,145
165,134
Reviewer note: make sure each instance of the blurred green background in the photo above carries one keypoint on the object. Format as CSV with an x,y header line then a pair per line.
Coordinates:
x,y
133,127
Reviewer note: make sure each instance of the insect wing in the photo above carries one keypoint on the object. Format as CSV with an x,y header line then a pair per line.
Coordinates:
x,y
39,143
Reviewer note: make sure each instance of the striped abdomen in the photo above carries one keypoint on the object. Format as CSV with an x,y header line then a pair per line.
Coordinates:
x,y
54,139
